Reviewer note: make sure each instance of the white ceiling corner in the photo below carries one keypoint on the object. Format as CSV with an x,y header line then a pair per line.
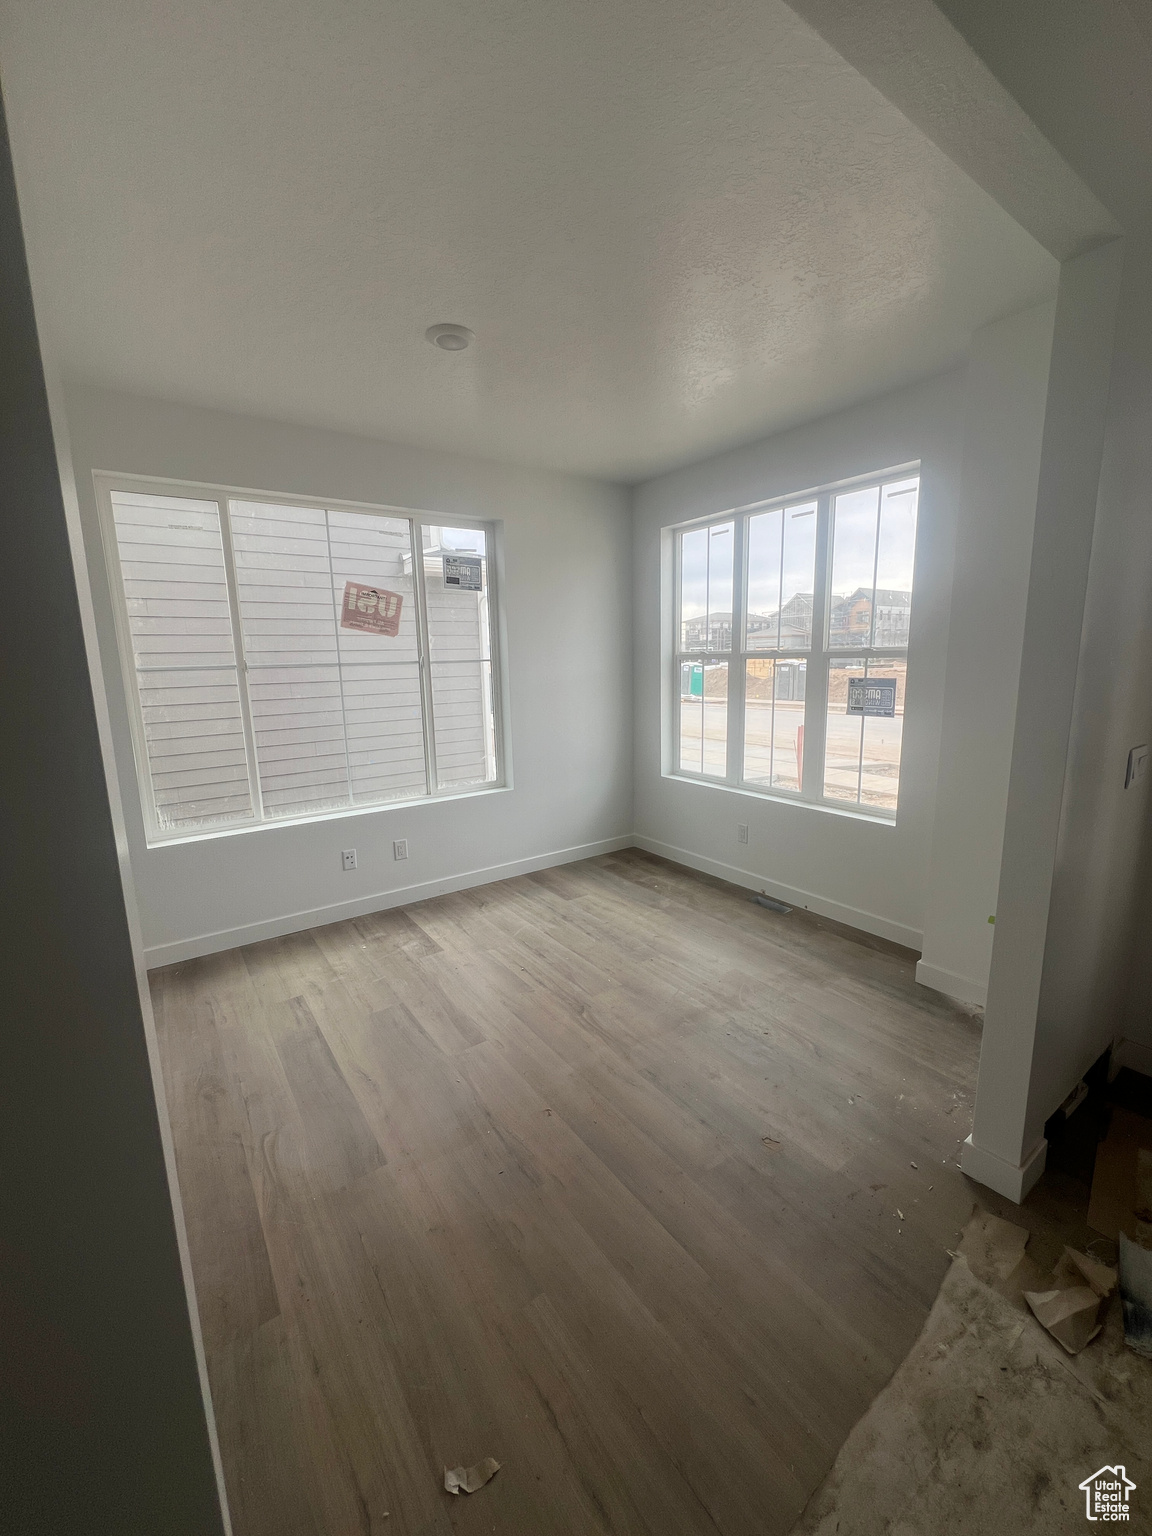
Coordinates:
x,y
672,225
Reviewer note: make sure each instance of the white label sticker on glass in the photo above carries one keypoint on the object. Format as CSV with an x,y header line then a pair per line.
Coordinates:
x,y
462,571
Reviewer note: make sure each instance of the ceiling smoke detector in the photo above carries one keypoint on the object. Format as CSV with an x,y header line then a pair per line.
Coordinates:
x,y
449,338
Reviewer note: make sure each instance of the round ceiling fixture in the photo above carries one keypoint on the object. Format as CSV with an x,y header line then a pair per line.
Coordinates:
x,y
449,338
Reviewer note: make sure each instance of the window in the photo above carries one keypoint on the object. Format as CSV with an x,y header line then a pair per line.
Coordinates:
x,y
288,659
791,644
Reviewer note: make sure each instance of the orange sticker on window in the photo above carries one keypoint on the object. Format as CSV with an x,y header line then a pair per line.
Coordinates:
x,y
370,609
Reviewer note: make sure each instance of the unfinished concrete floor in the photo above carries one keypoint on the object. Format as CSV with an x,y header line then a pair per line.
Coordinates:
x,y
606,1172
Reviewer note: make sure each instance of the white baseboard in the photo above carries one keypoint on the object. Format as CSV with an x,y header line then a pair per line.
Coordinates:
x,y
1131,1053
853,917
156,955
1011,1180
296,922
962,988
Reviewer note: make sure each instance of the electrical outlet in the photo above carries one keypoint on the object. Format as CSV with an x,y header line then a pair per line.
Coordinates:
x,y
741,832
348,858
400,848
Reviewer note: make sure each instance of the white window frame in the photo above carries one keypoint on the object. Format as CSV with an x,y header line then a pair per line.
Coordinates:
x,y
106,483
817,658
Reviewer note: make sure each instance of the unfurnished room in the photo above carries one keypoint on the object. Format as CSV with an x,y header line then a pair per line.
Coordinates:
x,y
577,877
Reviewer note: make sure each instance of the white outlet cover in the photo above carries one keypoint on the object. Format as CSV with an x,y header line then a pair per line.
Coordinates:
x,y
348,858
400,848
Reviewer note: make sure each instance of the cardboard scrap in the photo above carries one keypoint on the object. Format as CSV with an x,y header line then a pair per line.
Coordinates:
x,y
1069,1302
993,1247
469,1479
1072,1307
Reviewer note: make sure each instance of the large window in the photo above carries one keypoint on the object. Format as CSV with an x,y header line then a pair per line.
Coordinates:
x,y
791,645
288,659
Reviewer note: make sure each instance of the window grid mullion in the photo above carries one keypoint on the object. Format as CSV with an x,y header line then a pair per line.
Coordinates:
x,y
424,660
254,787
816,673
339,661
677,661
734,761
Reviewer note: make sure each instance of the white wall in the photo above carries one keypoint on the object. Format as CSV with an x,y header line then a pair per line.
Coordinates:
x,y
1100,905
1004,422
1005,1149
567,596
863,872
931,880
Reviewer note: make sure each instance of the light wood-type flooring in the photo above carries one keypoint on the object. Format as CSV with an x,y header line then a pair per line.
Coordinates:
x,y
606,1172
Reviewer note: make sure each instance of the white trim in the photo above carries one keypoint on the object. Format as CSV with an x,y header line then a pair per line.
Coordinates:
x,y
297,922
963,988
1130,1053
852,917
1011,1180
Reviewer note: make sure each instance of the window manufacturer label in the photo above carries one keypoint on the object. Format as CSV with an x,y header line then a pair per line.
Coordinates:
x,y
463,571
871,696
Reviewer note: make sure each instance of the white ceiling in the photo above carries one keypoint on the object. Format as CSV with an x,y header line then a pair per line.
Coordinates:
x,y
674,225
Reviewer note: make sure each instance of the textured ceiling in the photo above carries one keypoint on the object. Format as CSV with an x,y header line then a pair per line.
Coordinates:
x,y
673,225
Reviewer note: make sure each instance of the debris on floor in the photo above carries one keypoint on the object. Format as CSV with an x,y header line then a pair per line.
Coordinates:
x,y
994,1248
1070,1302
770,1142
1072,1308
469,1479
954,1442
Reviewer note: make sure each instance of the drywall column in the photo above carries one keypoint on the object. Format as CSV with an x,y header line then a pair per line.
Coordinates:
x,y
997,1153
1005,396
105,1426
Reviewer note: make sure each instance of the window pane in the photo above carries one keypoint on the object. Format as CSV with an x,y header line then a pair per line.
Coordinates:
x,y
764,548
781,578
462,709
384,720
883,737
374,552
844,733
853,568
459,640
721,543
894,562
774,722
298,724
703,746
694,590
336,710
862,752
197,760
798,577
706,556
180,627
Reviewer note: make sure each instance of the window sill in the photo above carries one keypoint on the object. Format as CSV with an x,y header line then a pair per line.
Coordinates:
x,y
826,807
341,813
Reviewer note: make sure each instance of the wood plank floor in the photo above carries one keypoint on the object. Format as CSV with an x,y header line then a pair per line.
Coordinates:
x,y
606,1172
